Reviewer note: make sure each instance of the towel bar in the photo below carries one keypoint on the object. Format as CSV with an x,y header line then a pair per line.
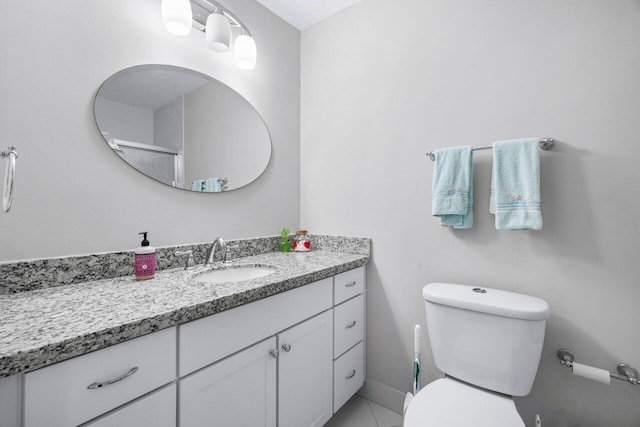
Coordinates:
x,y
7,193
544,144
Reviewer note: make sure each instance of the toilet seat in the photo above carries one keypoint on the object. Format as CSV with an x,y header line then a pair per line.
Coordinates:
x,y
448,402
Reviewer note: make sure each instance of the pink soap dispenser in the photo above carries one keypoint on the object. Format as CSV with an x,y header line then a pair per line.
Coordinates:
x,y
145,259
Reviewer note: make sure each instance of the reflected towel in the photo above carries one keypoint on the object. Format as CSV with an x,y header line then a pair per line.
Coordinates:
x,y
452,186
198,185
212,185
515,185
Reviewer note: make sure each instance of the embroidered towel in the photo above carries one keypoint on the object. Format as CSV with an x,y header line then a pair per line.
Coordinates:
x,y
515,185
452,187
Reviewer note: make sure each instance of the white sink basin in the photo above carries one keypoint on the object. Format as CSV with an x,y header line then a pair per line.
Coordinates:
x,y
236,274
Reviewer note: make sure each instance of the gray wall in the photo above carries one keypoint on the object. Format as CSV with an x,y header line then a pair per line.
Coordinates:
x,y
383,83
72,194
225,138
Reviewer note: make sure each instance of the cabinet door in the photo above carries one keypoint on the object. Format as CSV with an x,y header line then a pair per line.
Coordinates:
x,y
9,401
236,392
305,373
157,410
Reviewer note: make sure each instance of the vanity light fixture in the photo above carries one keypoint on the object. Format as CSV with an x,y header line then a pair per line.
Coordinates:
x,y
176,16
218,32
219,26
245,52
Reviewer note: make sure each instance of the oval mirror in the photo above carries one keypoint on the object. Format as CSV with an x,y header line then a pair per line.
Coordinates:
x,y
182,128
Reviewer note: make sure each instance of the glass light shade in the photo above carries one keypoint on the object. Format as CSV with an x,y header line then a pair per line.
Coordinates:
x,y
245,52
177,16
218,32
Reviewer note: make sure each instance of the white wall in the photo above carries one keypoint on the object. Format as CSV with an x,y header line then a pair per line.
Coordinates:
x,y
125,121
72,194
383,83
226,138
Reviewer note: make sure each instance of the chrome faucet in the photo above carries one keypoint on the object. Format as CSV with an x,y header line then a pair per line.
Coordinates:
x,y
219,242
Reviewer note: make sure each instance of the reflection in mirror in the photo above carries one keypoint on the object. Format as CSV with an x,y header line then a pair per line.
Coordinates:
x,y
182,128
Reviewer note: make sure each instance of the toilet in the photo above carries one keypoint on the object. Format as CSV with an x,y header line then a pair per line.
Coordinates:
x,y
488,343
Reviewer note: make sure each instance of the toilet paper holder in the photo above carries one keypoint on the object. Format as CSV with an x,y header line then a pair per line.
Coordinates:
x,y
626,372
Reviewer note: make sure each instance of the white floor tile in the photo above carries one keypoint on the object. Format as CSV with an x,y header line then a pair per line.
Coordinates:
x,y
385,417
359,412
355,413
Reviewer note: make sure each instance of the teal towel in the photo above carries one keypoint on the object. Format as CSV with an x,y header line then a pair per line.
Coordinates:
x,y
197,185
212,185
515,185
452,187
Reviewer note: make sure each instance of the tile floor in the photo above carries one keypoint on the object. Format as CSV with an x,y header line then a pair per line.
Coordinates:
x,y
360,412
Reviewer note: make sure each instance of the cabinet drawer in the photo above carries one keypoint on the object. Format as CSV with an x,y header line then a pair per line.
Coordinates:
x,y
348,325
348,375
208,340
157,410
348,284
59,395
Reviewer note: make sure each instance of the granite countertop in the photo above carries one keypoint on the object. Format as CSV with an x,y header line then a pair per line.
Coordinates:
x,y
45,326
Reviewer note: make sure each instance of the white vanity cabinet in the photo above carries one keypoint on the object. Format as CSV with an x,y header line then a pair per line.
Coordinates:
x,y
285,380
292,366
237,391
348,335
155,410
289,360
79,389
305,373
9,401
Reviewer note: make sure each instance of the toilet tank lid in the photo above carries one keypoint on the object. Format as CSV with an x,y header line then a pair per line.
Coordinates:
x,y
487,300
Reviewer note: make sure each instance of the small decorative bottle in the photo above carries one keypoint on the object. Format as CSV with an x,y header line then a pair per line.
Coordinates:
x,y
302,242
284,244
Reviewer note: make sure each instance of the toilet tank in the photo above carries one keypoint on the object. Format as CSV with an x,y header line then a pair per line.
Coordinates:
x,y
487,337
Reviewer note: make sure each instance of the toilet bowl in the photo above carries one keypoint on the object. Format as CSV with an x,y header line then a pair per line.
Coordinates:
x,y
488,343
449,402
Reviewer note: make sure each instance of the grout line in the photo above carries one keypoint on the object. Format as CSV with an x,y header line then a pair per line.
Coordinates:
x,y
372,413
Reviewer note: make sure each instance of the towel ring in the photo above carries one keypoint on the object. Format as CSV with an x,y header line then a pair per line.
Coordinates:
x,y
7,194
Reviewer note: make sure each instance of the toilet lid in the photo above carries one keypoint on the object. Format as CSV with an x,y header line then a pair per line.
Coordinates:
x,y
450,403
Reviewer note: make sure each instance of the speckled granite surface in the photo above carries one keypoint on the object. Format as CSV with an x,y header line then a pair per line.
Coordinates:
x,y
45,326
25,276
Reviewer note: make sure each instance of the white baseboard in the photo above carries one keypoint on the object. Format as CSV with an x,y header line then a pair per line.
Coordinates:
x,y
383,395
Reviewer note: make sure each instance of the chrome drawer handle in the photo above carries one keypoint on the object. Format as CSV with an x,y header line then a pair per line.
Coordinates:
x,y
351,375
350,325
115,380
286,347
274,353
350,284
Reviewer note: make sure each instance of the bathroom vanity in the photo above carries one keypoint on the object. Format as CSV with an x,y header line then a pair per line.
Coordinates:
x,y
282,350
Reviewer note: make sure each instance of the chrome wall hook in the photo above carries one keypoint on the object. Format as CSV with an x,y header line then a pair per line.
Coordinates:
x,y
7,193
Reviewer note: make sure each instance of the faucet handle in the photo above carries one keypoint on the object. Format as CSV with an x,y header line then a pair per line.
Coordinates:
x,y
190,261
228,255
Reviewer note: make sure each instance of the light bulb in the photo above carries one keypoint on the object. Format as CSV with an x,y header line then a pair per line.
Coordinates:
x,y
245,52
177,16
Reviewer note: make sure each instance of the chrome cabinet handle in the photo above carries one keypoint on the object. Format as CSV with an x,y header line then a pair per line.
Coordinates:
x,y
274,353
114,380
286,347
350,284
351,375
350,325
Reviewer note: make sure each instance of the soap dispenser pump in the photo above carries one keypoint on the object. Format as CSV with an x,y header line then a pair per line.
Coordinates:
x,y
145,259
